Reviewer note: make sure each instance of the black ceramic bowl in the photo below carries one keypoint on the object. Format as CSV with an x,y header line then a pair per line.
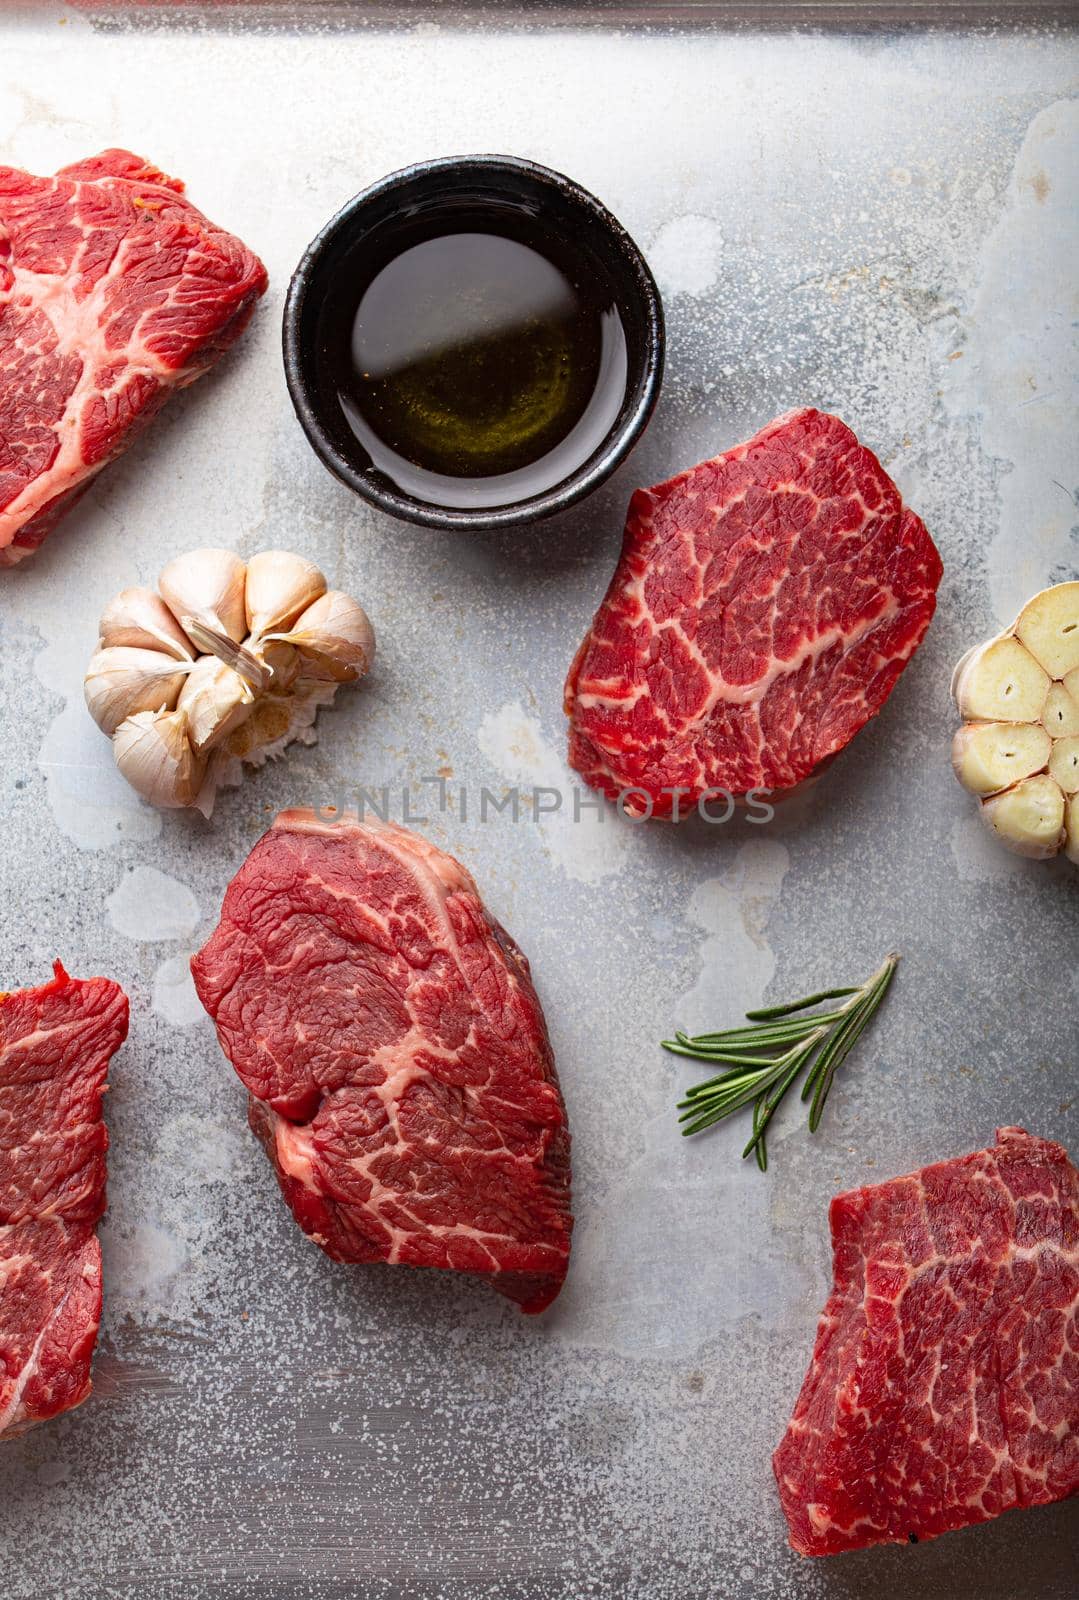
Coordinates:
x,y
552,202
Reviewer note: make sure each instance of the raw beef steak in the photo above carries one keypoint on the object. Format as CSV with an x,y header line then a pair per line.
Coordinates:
x,y
944,1386
114,291
396,1055
763,607
55,1045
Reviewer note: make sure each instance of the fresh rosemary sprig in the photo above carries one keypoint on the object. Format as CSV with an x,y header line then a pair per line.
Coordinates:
x,y
821,1041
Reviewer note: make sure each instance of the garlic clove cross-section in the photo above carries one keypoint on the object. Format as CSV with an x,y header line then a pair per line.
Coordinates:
x,y
1061,711
1048,626
1018,748
990,756
225,665
1029,817
1001,681
1064,765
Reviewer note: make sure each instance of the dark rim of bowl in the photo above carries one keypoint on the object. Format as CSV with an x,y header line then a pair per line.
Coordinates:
x,y
595,469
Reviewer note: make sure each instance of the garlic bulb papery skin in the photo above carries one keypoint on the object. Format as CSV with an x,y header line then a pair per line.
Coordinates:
x,y
335,639
1018,748
1071,830
280,661
230,665
122,680
139,617
155,755
280,585
207,585
215,700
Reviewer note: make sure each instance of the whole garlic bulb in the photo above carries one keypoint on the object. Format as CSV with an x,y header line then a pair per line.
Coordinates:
x,y
228,663
1018,748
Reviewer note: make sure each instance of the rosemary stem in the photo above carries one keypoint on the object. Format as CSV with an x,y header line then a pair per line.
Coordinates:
x,y
820,1042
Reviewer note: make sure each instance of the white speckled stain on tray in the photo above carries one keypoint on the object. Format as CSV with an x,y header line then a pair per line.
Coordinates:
x,y
90,801
149,905
625,1292
588,843
686,256
1015,365
832,216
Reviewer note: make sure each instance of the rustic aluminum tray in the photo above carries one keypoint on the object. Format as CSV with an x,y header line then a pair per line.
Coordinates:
x,y
875,215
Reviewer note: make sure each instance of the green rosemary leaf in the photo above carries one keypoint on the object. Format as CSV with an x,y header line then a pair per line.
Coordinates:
x,y
841,1047
819,1041
820,1065
797,1005
766,1105
767,1034
734,1058
758,1144
712,1085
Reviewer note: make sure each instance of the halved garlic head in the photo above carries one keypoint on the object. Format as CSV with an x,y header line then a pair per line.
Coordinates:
x,y
229,662
1018,748
122,680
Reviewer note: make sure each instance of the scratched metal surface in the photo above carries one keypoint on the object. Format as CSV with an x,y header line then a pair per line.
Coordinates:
x,y
881,222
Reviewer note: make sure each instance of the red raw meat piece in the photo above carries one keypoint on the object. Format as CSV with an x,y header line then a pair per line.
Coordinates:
x,y
55,1046
114,292
761,612
400,1074
944,1384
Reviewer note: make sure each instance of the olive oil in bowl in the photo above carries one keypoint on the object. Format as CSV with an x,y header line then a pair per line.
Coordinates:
x,y
473,342
474,367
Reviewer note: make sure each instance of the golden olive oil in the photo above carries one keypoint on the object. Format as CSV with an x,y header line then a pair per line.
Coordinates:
x,y
476,360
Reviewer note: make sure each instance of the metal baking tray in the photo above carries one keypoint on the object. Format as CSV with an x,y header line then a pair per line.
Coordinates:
x,y
867,208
